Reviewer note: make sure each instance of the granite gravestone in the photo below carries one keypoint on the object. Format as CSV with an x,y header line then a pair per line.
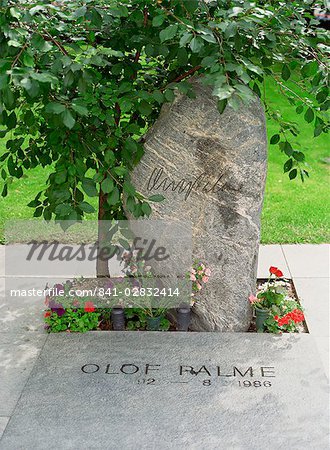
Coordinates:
x,y
211,168
129,390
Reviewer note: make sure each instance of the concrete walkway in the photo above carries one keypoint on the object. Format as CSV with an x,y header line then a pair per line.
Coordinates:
x,y
21,322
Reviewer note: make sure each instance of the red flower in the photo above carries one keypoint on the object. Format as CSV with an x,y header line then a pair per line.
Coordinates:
x,y
276,318
89,307
47,314
279,273
273,269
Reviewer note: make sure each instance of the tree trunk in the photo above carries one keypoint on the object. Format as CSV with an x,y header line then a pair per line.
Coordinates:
x,y
102,264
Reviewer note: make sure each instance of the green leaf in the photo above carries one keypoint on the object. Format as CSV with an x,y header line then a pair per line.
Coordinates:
x,y
318,130
55,108
146,208
120,170
44,77
309,115
13,43
182,56
34,203
4,192
114,197
256,89
322,95
298,156
156,198
309,69
168,33
231,30
286,147
68,119
209,38
28,60
109,157
38,212
89,187
221,105
80,12
157,21
145,108
293,174
80,109
223,91
14,12
169,95
11,166
107,185
158,96
64,209
286,73
86,207
185,39
288,165
60,176
124,244
4,80
11,121
129,188
275,139
196,44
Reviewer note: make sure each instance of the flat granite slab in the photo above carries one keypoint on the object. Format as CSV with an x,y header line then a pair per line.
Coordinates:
x,y
148,390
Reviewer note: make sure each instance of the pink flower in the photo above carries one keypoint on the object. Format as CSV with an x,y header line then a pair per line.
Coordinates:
x,y
192,277
205,279
193,271
200,272
207,272
253,299
199,286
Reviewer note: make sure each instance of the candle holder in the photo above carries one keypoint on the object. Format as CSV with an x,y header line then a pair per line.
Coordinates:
x,y
118,319
183,314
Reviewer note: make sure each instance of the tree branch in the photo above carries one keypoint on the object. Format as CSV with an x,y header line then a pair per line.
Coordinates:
x,y
19,55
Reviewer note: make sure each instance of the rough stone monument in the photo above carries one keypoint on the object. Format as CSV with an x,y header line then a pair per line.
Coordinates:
x,y
211,168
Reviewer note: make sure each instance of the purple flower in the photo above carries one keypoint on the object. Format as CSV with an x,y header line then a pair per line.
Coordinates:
x,y
57,308
58,290
109,285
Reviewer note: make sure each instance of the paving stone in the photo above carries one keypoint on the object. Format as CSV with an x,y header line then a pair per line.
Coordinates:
x,y
2,260
3,424
18,354
314,296
308,260
20,314
271,255
140,390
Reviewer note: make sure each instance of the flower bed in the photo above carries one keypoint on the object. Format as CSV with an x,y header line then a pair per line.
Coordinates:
x,y
276,300
276,305
82,314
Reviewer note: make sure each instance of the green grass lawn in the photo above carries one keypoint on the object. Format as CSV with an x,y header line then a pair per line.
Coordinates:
x,y
293,212
296,212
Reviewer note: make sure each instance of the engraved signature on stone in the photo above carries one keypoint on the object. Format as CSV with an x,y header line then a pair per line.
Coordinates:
x,y
201,183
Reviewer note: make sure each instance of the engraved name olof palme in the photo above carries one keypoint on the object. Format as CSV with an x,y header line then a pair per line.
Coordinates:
x,y
201,183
